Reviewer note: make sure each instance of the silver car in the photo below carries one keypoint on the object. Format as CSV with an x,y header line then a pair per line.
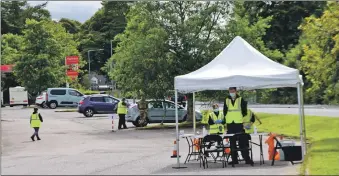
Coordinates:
x,y
156,113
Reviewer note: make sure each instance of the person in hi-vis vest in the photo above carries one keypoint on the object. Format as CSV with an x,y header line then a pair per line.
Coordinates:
x,y
35,121
248,122
122,111
235,109
216,121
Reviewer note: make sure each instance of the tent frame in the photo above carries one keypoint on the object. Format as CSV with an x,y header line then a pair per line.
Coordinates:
x,y
301,122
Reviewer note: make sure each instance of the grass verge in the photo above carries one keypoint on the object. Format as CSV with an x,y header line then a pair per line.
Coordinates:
x,y
322,133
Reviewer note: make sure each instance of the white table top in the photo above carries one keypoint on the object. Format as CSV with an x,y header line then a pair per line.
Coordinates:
x,y
223,135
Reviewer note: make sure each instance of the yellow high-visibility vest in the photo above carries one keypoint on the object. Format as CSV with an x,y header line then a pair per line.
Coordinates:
x,y
217,128
122,109
247,121
234,111
35,120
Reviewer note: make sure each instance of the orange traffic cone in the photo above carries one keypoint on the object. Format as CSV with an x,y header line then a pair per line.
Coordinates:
x,y
174,153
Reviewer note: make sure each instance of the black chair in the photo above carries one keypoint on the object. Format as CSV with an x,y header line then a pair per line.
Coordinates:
x,y
236,138
212,144
291,153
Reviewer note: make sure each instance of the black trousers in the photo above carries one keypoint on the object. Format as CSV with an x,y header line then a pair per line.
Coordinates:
x,y
234,128
36,132
122,121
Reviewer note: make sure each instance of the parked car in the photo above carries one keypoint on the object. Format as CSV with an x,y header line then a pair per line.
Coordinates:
x,y
181,99
41,100
156,112
98,104
63,97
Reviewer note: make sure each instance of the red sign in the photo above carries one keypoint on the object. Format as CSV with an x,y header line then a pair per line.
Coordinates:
x,y
72,64
7,68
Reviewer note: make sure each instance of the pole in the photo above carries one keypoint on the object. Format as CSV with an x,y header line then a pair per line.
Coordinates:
x,y
112,65
177,130
67,85
194,117
89,69
301,120
303,115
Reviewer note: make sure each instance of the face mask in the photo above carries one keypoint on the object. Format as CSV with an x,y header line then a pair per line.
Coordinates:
x,y
232,95
216,110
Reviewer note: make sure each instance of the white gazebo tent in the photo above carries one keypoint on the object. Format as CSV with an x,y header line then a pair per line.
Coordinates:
x,y
239,65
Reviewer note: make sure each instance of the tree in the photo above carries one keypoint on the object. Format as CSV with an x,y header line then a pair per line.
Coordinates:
x,y
71,26
286,18
42,56
15,13
163,40
97,33
317,55
239,24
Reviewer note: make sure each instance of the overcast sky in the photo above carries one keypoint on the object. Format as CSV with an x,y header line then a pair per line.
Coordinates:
x,y
76,10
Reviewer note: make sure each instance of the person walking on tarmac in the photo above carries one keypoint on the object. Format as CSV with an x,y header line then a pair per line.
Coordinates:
x,y
35,121
216,121
235,109
122,111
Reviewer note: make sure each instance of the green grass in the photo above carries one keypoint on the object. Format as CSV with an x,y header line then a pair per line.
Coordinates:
x,y
322,133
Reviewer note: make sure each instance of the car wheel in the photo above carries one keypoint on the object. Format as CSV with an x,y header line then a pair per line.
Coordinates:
x,y
138,122
10,105
53,104
89,112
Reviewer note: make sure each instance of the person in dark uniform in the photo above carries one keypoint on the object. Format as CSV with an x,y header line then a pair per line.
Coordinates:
x,y
235,109
122,111
35,122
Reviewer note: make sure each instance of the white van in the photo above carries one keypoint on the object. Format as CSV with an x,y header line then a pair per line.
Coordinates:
x,y
63,97
18,96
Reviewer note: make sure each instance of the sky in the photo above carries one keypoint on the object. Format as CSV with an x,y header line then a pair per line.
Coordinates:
x,y
75,10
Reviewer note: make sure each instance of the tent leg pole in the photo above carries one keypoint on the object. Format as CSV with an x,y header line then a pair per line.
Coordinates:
x,y
300,120
303,115
194,117
177,131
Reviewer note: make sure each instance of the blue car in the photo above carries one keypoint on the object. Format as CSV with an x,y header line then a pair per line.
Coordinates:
x,y
98,104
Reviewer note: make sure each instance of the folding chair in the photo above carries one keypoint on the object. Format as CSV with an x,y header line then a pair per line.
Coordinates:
x,y
236,138
212,144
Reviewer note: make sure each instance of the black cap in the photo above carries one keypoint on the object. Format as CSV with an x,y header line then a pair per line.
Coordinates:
x,y
123,99
35,109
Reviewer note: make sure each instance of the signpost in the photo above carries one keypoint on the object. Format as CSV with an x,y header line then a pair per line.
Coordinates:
x,y
72,65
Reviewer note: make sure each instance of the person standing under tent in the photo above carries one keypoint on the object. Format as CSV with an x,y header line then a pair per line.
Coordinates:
x,y
235,109
35,122
122,111
216,121
249,120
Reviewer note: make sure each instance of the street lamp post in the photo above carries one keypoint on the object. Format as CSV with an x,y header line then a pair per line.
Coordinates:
x,y
112,63
89,65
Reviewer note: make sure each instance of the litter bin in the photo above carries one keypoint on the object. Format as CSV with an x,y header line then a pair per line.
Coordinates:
x,y
115,121
285,143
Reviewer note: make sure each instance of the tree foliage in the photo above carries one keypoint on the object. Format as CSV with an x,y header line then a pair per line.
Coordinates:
x,y
318,56
39,61
15,13
100,30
